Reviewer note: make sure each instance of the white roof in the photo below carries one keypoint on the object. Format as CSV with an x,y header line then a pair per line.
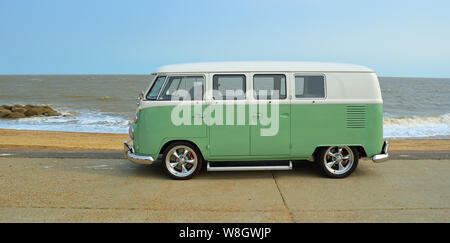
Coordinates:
x,y
262,67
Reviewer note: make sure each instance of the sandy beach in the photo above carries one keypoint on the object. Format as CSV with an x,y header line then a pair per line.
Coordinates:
x,y
21,139
61,140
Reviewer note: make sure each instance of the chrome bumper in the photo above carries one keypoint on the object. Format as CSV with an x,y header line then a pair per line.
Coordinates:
x,y
384,156
128,153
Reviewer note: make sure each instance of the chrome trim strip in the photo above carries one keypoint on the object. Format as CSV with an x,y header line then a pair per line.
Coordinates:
x,y
249,168
379,158
128,153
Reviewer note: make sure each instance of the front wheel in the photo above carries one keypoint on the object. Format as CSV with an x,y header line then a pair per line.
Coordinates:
x,y
337,161
182,160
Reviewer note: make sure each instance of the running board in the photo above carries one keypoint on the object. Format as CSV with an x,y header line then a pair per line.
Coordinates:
x,y
249,168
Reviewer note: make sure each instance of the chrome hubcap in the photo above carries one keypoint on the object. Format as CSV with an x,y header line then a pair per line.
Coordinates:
x,y
181,161
338,160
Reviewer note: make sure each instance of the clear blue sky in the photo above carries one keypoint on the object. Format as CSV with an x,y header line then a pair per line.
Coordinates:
x,y
395,38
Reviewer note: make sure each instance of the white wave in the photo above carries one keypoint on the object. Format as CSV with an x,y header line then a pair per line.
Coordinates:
x,y
70,121
417,126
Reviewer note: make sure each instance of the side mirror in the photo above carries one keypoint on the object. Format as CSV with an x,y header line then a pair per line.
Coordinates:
x,y
140,98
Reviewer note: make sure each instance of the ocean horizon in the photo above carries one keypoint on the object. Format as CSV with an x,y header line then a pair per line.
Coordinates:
x,y
413,107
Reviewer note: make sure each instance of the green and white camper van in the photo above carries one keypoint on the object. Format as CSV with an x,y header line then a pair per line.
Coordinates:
x,y
258,116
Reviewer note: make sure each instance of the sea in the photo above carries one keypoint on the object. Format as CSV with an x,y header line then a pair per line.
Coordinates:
x,y
413,107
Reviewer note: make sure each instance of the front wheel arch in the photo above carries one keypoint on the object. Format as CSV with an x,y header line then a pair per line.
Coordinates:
x,y
168,143
177,166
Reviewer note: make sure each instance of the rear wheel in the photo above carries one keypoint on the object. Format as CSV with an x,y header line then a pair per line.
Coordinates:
x,y
182,160
338,161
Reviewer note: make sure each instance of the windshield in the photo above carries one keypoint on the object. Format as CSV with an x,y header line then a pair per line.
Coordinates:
x,y
154,91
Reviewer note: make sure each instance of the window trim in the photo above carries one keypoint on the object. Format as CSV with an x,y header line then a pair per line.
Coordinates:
x,y
309,75
234,74
153,84
185,75
285,85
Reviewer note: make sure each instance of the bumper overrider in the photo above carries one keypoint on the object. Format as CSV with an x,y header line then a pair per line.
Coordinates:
x,y
128,153
384,156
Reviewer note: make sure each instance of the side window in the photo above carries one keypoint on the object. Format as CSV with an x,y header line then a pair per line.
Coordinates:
x,y
156,87
229,87
309,87
269,86
183,88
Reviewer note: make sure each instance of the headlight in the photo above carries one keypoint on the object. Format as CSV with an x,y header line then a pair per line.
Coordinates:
x,y
135,119
131,131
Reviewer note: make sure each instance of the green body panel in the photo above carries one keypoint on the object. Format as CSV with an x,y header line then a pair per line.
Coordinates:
x,y
230,141
155,127
318,125
303,128
278,144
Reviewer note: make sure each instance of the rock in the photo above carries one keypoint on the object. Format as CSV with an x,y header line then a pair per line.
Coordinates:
x,y
32,112
19,111
4,112
44,111
31,106
16,115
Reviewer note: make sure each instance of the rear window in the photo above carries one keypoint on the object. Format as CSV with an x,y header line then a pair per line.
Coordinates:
x,y
183,88
156,87
309,87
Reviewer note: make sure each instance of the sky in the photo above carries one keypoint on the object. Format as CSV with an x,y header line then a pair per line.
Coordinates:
x,y
395,38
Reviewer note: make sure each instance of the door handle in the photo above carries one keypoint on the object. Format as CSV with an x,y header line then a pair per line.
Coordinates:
x,y
257,115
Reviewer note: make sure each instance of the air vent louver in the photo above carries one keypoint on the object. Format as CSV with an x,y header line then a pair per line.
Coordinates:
x,y
356,116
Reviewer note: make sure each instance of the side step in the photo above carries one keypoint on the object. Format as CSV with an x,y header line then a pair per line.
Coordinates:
x,y
248,168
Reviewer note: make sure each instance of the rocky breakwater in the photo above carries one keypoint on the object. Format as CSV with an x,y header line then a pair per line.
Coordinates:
x,y
19,111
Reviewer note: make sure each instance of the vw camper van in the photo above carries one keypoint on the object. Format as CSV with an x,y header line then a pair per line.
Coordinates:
x,y
258,116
